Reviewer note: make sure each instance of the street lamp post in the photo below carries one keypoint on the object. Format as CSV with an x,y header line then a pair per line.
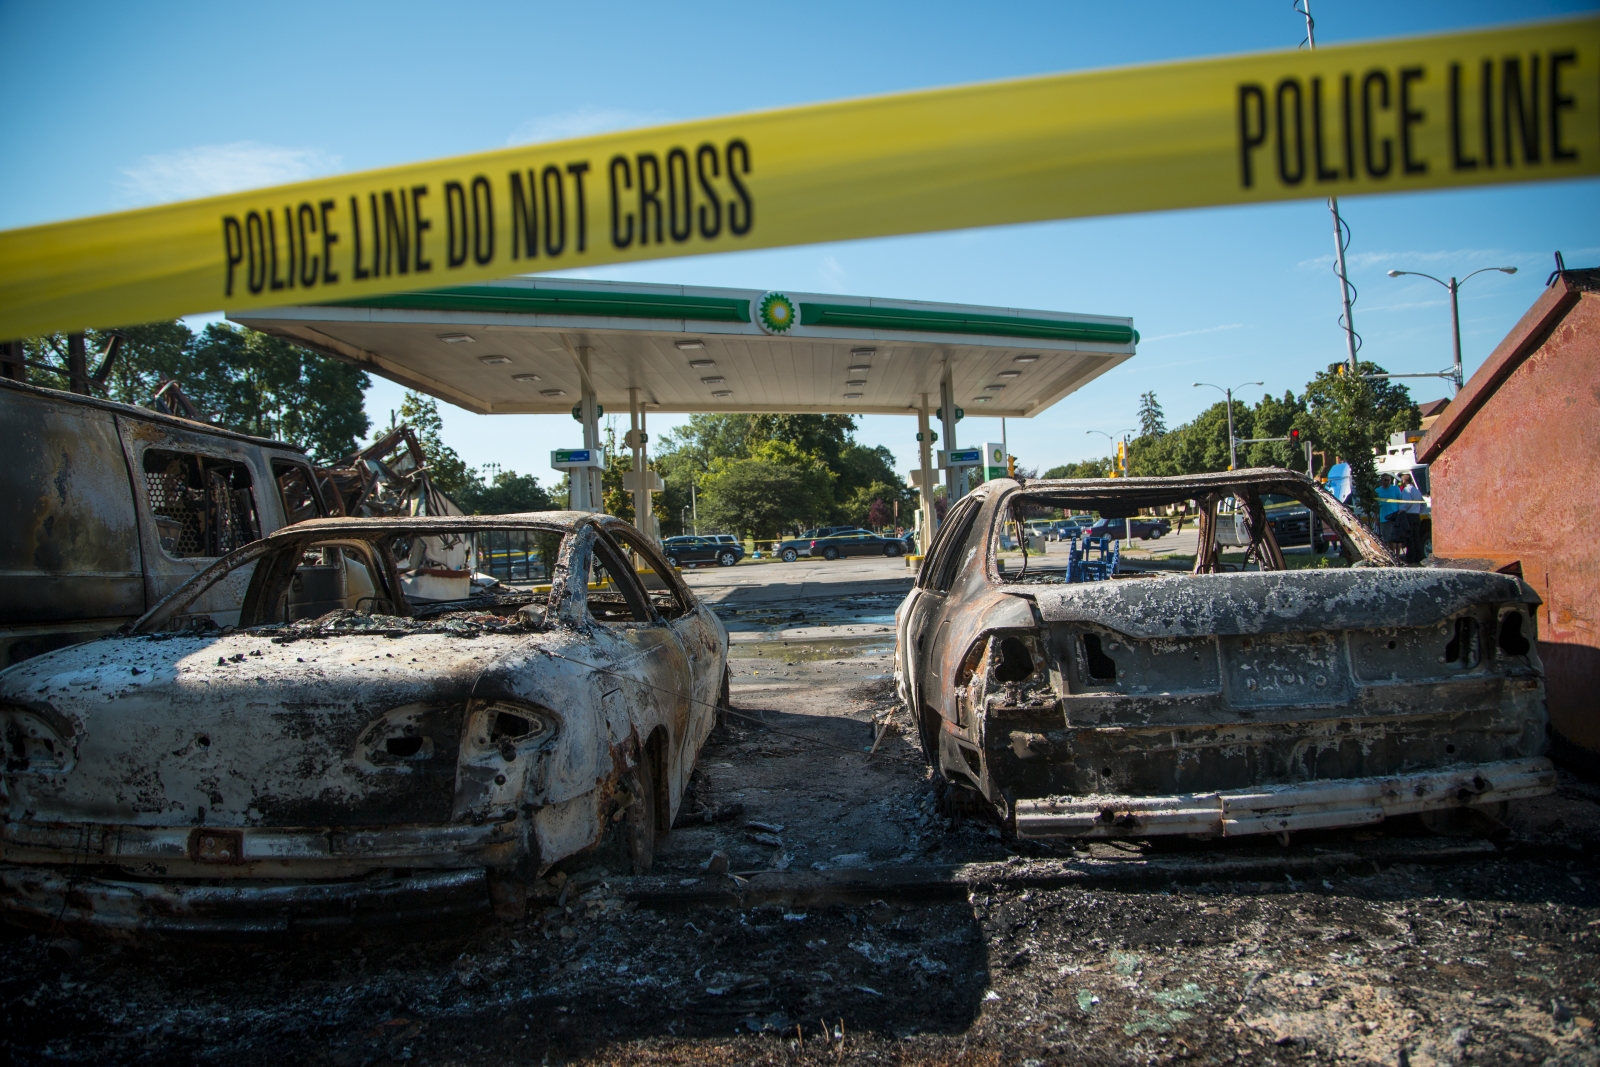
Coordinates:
x,y
1454,286
1233,442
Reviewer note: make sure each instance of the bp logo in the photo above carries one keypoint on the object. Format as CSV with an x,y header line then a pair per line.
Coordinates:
x,y
775,313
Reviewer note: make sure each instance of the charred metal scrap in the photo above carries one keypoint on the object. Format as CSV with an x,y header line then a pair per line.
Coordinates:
x,y
373,763
1217,703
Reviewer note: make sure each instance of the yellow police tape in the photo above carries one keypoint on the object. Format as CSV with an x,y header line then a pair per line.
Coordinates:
x,y
1509,104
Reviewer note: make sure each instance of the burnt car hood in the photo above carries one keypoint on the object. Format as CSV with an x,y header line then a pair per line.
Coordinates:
x,y
1193,605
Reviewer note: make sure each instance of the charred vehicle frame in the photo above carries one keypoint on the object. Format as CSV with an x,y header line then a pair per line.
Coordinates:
x,y
373,763
1222,702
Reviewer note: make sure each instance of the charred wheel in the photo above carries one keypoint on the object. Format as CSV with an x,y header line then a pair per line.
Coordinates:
x,y
639,818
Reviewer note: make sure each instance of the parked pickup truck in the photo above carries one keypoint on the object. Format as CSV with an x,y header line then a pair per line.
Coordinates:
x,y
110,507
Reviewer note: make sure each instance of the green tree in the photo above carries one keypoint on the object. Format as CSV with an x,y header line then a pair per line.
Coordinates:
x,y
1350,415
509,493
449,472
777,486
1275,418
1152,421
1084,468
241,379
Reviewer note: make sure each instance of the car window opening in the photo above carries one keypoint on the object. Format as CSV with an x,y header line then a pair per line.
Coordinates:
x,y
203,507
297,491
625,601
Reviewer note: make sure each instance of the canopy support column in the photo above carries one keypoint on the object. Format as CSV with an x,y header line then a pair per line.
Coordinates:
x,y
586,495
638,440
930,517
955,478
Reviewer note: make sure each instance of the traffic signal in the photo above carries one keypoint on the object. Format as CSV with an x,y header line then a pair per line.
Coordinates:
x,y
1011,466
1297,438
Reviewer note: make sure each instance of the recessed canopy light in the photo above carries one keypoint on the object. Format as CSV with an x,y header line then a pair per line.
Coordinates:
x,y
525,378
455,338
1026,359
714,379
862,352
552,392
982,399
722,392
702,364
689,345
852,396
857,383
994,387
1010,374
859,370
494,361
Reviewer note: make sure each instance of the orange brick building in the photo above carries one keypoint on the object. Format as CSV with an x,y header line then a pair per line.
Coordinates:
x,y
1515,473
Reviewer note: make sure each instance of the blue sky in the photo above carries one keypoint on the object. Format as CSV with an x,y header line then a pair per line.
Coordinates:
x,y
108,106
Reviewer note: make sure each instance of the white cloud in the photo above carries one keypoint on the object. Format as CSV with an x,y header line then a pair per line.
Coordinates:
x,y
580,123
1192,333
208,170
832,273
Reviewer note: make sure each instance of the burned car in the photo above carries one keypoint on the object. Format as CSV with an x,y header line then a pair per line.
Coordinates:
x,y
1245,697
347,756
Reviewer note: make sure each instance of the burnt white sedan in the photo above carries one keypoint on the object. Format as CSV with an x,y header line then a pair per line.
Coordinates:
x,y
347,756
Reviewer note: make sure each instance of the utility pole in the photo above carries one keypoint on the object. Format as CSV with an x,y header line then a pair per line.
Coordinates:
x,y
1233,441
1338,224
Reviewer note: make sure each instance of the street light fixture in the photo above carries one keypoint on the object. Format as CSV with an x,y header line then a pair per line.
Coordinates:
x,y
1454,286
1113,441
1233,443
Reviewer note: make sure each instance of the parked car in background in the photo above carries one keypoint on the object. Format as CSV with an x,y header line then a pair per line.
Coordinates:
x,y
1067,529
856,542
691,549
1217,703
377,761
795,547
1145,529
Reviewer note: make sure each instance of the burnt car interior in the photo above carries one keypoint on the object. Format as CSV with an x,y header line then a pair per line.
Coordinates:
x,y
1228,515
360,575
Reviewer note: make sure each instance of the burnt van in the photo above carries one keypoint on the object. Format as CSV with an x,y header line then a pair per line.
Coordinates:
x,y
109,507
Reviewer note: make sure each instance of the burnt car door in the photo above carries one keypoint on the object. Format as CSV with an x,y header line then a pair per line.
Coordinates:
x,y
701,636
925,618
645,678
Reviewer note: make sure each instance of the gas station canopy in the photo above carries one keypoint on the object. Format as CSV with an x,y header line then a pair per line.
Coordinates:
x,y
518,346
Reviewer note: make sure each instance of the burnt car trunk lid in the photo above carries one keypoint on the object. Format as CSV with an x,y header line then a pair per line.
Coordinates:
x,y
1239,604
203,730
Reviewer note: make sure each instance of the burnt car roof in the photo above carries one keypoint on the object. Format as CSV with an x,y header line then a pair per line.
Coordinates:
x,y
1109,495
148,414
424,524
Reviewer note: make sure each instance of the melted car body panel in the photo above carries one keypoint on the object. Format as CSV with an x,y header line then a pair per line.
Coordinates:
x,y
1162,692
353,744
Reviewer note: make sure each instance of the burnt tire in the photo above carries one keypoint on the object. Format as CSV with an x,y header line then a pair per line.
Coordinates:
x,y
788,555
830,554
639,819
726,559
